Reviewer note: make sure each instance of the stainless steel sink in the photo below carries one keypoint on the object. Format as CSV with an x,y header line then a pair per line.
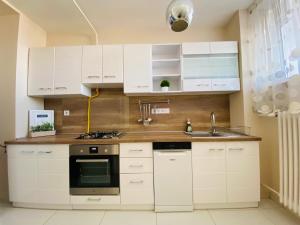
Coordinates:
x,y
216,134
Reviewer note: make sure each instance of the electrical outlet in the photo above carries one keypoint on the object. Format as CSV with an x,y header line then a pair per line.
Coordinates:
x,y
66,112
161,111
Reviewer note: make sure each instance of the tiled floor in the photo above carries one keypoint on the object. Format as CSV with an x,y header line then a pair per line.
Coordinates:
x,y
269,213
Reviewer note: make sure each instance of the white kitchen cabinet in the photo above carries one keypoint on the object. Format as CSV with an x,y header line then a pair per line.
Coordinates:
x,y
225,173
137,68
196,48
137,189
41,71
92,64
209,172
243,176
229,84
39,174
224,47
112,64
136,175
67,72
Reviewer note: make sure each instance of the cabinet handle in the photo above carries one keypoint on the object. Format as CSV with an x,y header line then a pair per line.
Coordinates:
x,y
202,85
94,199
142,86
44,89
214,149
136,182
45,152
94,76
110,76
58,88
136,150
136,166
27,152
236,149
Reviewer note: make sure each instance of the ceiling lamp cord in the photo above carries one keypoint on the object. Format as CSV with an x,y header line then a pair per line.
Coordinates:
x,y
88,21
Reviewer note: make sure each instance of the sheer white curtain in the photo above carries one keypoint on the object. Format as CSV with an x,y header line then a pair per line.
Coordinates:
x,y
274,37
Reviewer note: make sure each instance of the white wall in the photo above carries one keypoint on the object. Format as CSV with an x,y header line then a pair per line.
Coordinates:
x,y
119,37
8,57
30,35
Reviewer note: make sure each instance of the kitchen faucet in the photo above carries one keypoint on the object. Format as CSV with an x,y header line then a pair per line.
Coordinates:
x,y
213,123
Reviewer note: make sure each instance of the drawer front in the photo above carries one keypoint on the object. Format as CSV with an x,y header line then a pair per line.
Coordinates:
x,y
53,151
21,151
197,85
212,149
232,84
136,165
137,189
95,200
224,47
136,150
242,149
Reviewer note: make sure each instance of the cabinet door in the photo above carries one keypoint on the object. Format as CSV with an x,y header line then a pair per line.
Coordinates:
x,y
92,64
243,180
67,76
230,84
41,71
209,173
196,48
137,69
22,174
224,47
53,174
112,64
194,85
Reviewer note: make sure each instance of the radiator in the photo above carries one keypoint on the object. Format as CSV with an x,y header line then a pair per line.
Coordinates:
x,y
289,160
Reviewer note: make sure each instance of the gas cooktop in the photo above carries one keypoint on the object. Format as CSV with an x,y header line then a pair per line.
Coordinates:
x,y
100,135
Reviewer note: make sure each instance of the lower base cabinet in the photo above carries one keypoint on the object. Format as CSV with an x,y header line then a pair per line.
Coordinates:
x,y
226,173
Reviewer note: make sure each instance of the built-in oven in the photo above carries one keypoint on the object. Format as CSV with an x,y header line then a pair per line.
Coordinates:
x,y
94,170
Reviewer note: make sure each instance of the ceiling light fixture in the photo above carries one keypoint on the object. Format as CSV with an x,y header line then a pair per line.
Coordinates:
x,y
180,14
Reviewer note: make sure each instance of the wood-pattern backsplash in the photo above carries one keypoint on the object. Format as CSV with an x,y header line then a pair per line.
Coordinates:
x,y
112,110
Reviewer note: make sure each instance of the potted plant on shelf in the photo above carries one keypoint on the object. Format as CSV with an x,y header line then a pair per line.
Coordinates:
x,y
165,84
44,129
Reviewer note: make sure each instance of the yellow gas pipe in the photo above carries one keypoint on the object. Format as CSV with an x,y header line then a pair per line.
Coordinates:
x,y
89,109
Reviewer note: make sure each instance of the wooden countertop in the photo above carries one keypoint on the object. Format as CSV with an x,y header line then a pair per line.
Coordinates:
x,y
129,137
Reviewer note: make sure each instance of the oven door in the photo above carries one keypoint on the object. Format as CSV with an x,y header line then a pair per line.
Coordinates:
x,y
94,175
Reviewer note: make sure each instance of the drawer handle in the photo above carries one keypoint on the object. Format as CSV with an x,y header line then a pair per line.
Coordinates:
x,y
214,149
27,152
136,166
202,85
110,76
136,182
93,76
58,88
45,89
236,149
142,86
45,152
136,150
94,199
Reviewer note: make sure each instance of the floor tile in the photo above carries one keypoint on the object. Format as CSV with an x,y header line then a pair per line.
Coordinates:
x,y
280,216
18,216
74,217
239,217
129,218
268,204
193,218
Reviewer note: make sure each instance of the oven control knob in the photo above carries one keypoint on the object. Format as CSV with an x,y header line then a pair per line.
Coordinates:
x,y
81,150
105,150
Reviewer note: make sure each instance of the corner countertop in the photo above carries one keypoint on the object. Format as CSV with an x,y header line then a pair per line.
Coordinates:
x,y
129,137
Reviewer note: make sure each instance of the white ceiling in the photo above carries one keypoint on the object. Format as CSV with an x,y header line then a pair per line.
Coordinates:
x,y
61,16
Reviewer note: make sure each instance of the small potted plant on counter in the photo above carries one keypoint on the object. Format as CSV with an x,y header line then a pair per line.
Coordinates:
x,y
165,84
45,129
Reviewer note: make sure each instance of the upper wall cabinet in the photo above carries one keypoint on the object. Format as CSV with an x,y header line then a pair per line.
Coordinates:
x,y
56,71
41,71
92,64
210,66
137,69
112,64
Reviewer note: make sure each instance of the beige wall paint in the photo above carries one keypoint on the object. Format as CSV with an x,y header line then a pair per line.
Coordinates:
x,y
241,113
8,57
30,35
125,37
